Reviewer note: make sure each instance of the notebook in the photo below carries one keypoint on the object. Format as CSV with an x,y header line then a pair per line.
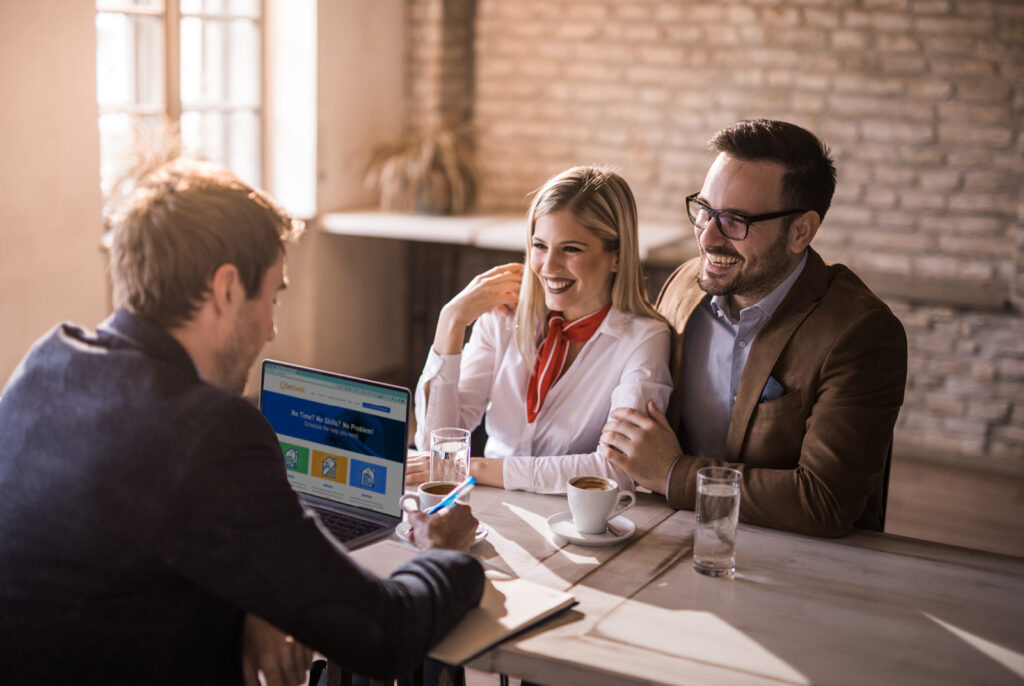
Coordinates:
x,y
508,607
343,441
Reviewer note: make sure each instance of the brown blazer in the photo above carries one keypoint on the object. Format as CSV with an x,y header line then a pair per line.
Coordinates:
x,y
812,459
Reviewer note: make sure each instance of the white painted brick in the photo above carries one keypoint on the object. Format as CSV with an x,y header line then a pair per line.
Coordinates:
x,y
940,179
673,12
822,18
896,42
889,131
884,262
986,136
983,91
850,40
931,6
961,67
991,180
944,268
892,5
919,200
988,203
951,25
630,11
999,114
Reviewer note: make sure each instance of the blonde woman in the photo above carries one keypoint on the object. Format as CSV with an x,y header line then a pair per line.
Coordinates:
x,y
555,344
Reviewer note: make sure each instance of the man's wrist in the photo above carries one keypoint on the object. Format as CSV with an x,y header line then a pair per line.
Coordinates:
x,y
668,476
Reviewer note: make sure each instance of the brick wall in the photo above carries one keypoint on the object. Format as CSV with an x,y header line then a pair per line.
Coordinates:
x,y
922,102
439,86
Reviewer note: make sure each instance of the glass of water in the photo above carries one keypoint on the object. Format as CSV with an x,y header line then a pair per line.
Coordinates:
x,y
449,454
718,512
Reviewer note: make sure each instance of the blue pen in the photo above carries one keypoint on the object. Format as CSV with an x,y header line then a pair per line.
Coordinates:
x,y
449,500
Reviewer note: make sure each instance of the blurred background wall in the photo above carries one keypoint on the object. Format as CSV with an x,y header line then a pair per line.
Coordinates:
x,y
921,101
51,267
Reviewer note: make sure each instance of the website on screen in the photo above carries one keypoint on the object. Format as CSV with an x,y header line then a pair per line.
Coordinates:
x,y
341,439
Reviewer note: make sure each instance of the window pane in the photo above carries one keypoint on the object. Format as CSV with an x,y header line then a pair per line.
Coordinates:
x,y
243,146
121,4
122,139
245,8
231,138
129,60
220,62
202,135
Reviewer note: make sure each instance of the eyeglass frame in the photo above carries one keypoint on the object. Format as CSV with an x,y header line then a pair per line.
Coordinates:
x,y
747,219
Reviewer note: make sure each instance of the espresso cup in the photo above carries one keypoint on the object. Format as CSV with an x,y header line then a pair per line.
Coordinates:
x,y
429,494
593,500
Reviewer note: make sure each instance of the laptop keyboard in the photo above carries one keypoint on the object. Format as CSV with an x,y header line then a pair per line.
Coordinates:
x,y
346,528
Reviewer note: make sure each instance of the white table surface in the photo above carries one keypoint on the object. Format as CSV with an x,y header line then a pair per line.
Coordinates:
x,y
865,609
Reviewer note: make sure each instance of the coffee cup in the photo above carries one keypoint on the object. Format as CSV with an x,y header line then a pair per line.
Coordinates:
x,y
429,494
593,500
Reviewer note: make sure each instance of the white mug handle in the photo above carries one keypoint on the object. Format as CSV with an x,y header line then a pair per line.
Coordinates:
x,y
624,506
410,497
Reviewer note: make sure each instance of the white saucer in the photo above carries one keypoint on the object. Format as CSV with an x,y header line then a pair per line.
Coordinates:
x,y
403,532
561,525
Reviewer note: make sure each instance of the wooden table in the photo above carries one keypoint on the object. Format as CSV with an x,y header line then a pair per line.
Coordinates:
x,y
865,609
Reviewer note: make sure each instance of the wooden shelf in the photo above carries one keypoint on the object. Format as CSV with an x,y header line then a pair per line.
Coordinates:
x,y
489,231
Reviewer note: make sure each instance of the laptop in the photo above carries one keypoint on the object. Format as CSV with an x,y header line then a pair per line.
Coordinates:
x,y
343,440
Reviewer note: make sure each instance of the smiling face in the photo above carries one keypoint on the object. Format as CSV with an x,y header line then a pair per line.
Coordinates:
x,y
746,270
574,269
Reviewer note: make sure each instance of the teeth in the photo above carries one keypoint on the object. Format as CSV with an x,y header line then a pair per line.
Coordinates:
x,y
722,260
558,284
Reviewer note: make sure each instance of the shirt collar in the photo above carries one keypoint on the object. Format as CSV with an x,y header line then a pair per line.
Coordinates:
x,y
146,335
615,323
769,303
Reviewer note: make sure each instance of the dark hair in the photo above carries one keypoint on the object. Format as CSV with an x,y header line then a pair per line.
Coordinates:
x,y
182,223
810,178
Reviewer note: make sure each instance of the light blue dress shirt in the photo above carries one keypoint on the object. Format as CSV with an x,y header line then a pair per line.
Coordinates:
x,y
716,353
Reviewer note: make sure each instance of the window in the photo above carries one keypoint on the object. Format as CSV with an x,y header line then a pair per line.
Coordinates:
x,y
187,67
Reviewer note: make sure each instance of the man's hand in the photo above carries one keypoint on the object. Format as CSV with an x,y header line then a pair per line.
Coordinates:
x,y
417,469
282,660
453,527
643,446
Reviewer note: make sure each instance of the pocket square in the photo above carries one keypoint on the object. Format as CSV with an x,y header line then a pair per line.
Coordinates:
x,y
773,390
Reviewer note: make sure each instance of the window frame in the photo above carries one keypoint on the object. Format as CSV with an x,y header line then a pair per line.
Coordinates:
x,y
171,15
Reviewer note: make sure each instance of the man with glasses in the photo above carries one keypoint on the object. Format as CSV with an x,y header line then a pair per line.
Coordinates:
x,y
785,368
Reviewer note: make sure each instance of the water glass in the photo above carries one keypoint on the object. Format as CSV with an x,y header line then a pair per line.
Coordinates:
x,y
449,454
718,512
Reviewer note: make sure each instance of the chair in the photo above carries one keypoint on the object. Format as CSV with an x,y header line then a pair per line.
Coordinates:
x,y
885,484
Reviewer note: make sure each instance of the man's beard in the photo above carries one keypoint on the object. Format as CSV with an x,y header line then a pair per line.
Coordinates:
x,y
237,358
761,278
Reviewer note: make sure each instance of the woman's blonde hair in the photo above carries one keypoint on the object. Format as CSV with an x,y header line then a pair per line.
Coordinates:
x,y
601,201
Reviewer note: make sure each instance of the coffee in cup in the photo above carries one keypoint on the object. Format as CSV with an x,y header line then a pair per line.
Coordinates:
x,y
592,483
429,494
593,500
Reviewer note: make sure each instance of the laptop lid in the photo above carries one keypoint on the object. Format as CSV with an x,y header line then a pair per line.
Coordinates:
x,y
343,439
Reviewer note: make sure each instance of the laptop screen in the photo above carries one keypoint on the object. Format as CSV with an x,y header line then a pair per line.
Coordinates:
x,y
342,438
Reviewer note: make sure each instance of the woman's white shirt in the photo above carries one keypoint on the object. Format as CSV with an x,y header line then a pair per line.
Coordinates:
x,y
624,364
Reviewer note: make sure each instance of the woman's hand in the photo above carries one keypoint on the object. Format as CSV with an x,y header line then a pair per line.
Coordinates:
x,y
496,288
417,469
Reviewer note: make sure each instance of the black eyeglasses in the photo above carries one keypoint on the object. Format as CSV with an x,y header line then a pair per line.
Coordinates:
x,y
730,224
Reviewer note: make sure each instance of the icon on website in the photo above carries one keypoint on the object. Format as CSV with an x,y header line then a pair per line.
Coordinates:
x,y
291,458
367,478
329,467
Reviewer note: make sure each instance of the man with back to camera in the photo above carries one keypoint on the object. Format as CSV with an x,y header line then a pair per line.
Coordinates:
x,y
144,504
785,368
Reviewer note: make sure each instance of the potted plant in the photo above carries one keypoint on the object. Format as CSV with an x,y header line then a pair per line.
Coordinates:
x,y
431,173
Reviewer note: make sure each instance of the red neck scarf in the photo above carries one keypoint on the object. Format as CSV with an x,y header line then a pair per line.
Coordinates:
x,y
552,355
